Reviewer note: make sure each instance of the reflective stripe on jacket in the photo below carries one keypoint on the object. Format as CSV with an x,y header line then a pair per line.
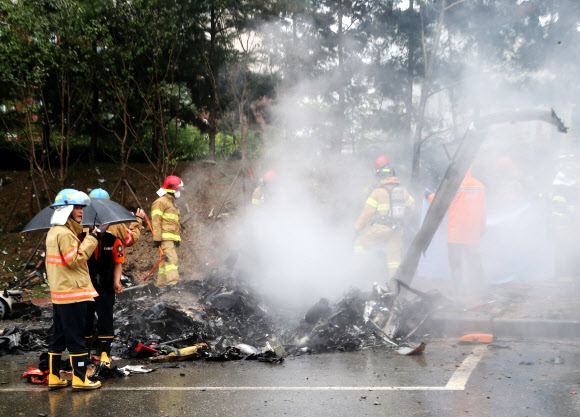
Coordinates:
x,y
467,212
165,219
66,264
378,203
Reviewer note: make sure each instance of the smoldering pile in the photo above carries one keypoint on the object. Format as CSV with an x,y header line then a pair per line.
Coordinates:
x,y
226,320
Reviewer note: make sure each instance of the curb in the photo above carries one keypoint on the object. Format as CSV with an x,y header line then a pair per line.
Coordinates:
x,y
506,328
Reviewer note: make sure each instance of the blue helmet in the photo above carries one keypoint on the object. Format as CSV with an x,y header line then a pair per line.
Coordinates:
x,y
99,193
70,196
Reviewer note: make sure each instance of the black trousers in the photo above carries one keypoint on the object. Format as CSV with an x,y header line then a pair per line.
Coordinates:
x,y
103,308
69,324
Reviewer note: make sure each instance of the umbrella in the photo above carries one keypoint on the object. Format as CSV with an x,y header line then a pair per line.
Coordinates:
x,y
99,211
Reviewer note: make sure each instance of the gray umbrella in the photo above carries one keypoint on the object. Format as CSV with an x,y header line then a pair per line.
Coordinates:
x,y
99,211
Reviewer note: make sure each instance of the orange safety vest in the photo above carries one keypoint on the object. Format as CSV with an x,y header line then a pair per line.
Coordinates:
x,y
466,216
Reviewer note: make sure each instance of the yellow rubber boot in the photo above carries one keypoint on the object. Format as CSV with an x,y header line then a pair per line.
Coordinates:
x,y
105,360
54,379
80,381
105,349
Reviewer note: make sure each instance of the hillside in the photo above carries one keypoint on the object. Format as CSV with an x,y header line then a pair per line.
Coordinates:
x,y
211,190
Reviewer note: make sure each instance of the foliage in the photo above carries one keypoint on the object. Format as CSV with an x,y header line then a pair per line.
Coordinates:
x,y
172,80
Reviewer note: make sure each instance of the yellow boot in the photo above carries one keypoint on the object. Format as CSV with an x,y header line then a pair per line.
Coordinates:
x,y
105,360
105,349
80,381
54,380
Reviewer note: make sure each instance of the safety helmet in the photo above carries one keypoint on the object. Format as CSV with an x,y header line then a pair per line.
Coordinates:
x,y
382,161
269,176
70,196
385,171
172,183
99,193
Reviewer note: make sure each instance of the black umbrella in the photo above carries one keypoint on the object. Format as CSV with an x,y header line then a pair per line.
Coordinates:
x,y
100,211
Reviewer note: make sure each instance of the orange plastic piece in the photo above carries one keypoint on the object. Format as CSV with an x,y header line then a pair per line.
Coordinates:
x,y
477,338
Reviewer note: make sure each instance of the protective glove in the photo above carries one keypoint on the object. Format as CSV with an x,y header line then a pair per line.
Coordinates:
x,y
102,229
99,231
157,243
177,243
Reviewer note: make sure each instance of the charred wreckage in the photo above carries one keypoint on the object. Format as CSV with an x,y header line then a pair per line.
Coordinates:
x,y
220,319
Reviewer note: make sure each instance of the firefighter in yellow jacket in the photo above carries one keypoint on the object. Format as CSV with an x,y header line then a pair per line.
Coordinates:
x,y
166,229
70,285
381,220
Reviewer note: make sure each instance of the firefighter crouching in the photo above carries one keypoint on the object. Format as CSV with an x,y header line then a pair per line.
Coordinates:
x,y
166,229
71,290
381,221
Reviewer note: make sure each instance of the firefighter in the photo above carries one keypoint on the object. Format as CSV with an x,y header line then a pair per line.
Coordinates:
x,y
71,290
105,269
262,192
564,214
466,224
166,229
130,234
381,220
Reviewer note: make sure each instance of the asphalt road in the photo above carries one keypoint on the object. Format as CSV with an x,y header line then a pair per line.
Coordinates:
x,y
508,378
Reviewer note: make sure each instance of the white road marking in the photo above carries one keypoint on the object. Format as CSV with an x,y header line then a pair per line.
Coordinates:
x,y
461,374
378,388
457,382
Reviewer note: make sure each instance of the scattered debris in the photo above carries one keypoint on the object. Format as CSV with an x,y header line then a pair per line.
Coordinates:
x,y
7,299
411,350
183,354
219,319
135,369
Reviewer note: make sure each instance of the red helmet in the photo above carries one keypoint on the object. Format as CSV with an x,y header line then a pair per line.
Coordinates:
x,y
269,176
173,182
382,161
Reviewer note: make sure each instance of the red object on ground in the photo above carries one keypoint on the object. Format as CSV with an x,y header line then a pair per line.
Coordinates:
x,y
36,376
477,338
142,351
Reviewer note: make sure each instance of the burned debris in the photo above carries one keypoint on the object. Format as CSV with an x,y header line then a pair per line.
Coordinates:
x,y
220,319
363,320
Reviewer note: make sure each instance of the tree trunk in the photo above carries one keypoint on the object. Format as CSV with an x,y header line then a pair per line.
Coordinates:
x,y
214,68
336,140
425,92
410,79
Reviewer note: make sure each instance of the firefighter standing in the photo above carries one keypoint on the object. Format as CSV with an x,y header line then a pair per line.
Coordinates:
x,y
261,193
105,269
166,229
70,285
381,221
466,223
